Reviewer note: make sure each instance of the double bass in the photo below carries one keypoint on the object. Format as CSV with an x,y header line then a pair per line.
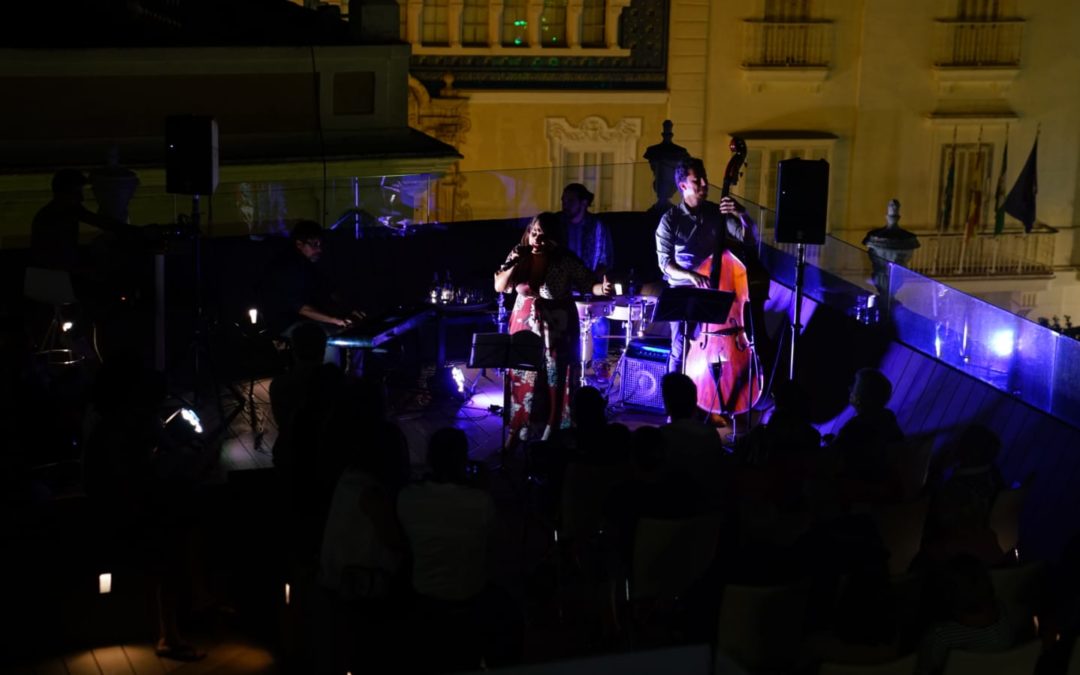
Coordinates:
x,y
721,359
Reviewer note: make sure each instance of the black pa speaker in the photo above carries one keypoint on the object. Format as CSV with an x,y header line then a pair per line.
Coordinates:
x,y
191,155
802,201
644,366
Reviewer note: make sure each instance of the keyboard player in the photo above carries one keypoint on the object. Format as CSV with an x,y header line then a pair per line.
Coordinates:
x,y
295,290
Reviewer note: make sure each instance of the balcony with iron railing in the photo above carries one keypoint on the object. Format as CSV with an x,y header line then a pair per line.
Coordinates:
x,y
787,44
978,44
1009,254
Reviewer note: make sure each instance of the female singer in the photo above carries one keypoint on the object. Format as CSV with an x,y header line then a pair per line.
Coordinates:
x,y
543,274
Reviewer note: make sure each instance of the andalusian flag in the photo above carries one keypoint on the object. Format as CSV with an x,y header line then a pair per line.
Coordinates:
x,y
999,193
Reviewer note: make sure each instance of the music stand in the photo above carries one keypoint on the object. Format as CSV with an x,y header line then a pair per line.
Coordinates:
x,y
523,350
687,304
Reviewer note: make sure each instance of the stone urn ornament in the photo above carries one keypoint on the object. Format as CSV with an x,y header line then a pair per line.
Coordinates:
x,y
889,244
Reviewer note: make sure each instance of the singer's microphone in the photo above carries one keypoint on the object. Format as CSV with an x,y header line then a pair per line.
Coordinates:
x,y
520,250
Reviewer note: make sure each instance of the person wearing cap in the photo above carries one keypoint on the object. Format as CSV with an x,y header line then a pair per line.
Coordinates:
x,y
54,234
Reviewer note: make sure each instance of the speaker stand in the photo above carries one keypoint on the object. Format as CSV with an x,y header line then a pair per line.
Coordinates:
x,y
796,324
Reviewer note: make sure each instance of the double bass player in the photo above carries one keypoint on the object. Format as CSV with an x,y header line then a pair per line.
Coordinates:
x,y
694,230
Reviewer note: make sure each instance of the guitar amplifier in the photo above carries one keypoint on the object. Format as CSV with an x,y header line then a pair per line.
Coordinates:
x,y
644,366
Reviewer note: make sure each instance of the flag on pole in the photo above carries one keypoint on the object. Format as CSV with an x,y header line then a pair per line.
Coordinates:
x,y
1020,203
975,192
999,192
947,196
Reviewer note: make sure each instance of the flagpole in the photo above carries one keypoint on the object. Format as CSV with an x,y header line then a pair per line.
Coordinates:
x,y
973,197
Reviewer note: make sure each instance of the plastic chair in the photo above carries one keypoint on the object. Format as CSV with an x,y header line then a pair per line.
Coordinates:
x,y
901,666
761,627
1074,662
1019,589
1019,660
671,555
1005,514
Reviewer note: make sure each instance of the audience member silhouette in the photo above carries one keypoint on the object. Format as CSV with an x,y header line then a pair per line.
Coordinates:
x,y
363,547
652,491
54,234
693,448
864,442
972,619
448,525
141,483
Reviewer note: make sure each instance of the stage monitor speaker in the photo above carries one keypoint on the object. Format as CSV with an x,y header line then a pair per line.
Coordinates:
x,y
191,155
644,366
802,201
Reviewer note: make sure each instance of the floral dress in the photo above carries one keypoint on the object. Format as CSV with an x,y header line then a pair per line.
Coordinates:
x,y
549,311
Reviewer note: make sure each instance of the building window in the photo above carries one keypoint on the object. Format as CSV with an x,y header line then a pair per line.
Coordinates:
x,y
515,27
984,10
787,10
592,23
596,155
971,181
594,170
474,22
757,184
433,23
553,23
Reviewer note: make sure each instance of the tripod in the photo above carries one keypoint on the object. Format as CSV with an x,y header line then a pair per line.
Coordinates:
x,y
203,365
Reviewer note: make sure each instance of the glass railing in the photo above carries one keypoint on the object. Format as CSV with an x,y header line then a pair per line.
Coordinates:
x,y
1013,354
398,203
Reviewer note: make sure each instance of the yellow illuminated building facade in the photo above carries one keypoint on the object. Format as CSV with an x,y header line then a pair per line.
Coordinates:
x,y
887,91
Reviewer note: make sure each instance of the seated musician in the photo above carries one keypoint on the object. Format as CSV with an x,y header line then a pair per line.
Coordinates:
x,y
54,234
687,237
296,291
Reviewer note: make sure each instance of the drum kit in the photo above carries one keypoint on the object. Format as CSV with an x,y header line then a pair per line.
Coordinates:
x,y
635,312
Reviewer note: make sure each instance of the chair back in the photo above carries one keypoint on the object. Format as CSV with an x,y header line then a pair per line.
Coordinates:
x,y
902,666
1019,660
761,627
1005,514
671,555
1019,590
1074,662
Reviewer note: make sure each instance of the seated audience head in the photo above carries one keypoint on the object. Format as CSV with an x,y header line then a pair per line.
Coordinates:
x,y
977,446
307,236
308,344
589,409
871,390
448,455
647,449
680,396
